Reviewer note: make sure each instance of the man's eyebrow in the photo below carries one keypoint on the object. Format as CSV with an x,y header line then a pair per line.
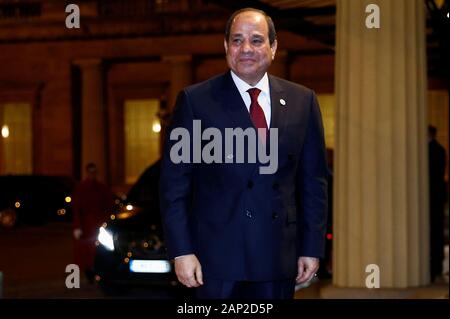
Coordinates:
x,y
237,35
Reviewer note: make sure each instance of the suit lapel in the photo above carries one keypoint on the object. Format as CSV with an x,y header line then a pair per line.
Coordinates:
x,y
278,110
234,105
238,116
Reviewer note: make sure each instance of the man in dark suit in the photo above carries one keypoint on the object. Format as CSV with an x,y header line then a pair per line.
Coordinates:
x,y
233,231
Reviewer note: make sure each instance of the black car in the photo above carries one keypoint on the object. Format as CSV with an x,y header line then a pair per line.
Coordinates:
x,y
34,199
130,248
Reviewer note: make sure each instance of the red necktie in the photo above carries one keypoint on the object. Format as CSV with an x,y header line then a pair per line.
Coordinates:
x,y
257,113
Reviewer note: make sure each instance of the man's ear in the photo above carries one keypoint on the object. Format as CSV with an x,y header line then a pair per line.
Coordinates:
x,y
225,45
273,48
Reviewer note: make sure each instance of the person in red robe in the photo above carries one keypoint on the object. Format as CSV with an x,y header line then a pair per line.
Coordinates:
x,y
92,205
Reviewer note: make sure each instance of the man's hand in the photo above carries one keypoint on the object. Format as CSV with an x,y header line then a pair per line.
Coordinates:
x,y
307,268
189,270
77,233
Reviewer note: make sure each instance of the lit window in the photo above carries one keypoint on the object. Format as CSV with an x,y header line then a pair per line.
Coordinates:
x,y
142,136
16,139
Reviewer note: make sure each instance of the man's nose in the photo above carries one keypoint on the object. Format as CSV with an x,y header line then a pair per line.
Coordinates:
x,y
246,47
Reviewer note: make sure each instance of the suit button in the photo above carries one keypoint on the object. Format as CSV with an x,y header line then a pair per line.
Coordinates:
x,y
250,184
274,215
276,186
248,213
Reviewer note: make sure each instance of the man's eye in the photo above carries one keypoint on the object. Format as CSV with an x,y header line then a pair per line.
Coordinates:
x,y
257,41
237,41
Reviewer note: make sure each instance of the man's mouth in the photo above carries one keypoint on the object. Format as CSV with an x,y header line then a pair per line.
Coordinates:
x,y
246,60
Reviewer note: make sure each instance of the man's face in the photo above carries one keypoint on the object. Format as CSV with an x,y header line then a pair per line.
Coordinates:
x,y
92,173
248,50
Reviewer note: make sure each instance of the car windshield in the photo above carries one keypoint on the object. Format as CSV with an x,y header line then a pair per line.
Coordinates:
x,y
145,191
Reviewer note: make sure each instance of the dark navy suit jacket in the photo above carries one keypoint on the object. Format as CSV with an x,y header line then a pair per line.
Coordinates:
x,y
240,224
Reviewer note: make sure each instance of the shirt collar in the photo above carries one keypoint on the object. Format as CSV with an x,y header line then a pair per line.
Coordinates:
x,y
243,86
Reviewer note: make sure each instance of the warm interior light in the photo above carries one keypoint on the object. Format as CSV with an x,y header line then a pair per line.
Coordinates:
x,y
439,3
156,127
5,131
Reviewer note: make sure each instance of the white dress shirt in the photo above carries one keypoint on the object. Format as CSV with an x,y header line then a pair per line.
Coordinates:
x,y
263,98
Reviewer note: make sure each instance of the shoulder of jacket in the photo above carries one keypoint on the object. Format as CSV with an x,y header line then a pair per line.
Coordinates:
x,y
291,86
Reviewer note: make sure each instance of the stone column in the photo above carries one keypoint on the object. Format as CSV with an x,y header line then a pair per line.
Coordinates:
x,y
93,119
381,182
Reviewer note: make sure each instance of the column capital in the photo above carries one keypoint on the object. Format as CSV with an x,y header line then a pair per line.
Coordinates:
x,y
179,58
88,63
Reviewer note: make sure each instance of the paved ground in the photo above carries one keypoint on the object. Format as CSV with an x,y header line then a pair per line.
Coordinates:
x,y
33,262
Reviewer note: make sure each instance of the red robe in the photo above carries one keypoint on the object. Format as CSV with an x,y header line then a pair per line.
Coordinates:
x,y
92,206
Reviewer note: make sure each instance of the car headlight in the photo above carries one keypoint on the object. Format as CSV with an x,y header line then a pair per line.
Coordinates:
x,y
106,238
